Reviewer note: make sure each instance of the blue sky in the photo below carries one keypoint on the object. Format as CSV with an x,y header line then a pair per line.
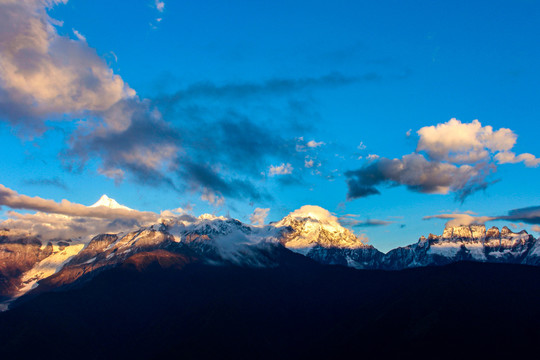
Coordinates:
x,y
228,91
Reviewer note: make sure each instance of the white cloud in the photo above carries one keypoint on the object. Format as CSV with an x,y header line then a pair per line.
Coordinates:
x,y
308,163
212,197
314,144
283,169
160,5
55,226
67,220
79,36
506,157
361,146
44,73
259,216
452,156
463,142
536,228
14,200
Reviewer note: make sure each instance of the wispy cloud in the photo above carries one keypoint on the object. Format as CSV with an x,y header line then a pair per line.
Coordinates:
x,y
276,86
528,215
351,220
55,181
259,216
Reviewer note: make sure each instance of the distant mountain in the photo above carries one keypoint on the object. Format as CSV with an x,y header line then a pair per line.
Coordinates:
x,y
466,243
28,265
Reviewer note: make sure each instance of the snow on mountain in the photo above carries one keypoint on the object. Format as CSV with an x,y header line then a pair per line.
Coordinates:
x,y
467,242
313,226
48,266
311,231
317,234
110,203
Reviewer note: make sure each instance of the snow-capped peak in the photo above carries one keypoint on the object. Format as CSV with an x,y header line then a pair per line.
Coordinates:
x,y
314,226
316,213
211,217
110,203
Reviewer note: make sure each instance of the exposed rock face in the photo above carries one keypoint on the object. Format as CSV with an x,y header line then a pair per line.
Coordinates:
x,y
493,233
469,242
473,232
105,251
18,254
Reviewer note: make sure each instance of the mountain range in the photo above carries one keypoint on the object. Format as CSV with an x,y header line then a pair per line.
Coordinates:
x,y
29,265
213,287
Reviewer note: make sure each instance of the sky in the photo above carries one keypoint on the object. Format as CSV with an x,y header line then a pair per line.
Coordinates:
x,y
395,116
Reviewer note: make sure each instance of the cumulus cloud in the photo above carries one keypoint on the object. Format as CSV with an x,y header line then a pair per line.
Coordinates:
x,y
42,73
283,169
418,174
259,216
465,143
451,157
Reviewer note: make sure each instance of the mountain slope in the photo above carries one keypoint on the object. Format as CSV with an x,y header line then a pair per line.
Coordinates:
x,y
298,310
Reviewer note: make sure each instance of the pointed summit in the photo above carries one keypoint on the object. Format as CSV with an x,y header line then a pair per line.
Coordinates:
x,y
106,201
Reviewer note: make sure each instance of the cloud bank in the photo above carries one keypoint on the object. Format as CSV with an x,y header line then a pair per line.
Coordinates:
x,y
14,200
68,220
